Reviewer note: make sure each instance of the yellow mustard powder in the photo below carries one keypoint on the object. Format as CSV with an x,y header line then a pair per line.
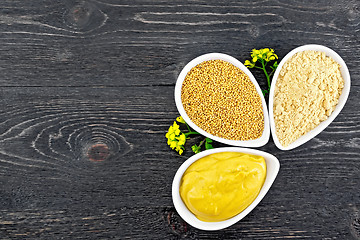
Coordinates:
x,y
306,93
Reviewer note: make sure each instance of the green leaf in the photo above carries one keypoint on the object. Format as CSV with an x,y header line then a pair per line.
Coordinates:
x,y
274,66
265,92
208,146
195,148
208,142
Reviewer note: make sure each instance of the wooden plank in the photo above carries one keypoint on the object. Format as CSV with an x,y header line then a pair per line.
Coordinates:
x,y
51,188
87,95
104,43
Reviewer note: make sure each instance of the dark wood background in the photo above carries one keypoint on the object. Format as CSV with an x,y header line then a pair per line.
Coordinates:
x,y
100,75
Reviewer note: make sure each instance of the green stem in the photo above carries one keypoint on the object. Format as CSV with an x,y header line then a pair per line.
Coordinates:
x,y
188,127
189,133
201,143
266,74
272,72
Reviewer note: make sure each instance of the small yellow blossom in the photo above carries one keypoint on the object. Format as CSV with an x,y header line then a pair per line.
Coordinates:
x,y
264,54
177,131
180,151
182,139
175,138
262,57
173,144
255,52
180,119
249,64
270,55
170,131
172,136
175,126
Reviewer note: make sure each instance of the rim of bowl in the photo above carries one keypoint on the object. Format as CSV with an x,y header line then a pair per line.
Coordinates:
x,y
342,99
272,169
261,141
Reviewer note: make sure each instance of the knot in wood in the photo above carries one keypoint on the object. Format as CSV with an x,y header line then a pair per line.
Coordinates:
x,y
85,17
98,152
177,225
98,143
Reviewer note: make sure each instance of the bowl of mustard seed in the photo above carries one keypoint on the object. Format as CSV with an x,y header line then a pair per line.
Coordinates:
x,y
220,98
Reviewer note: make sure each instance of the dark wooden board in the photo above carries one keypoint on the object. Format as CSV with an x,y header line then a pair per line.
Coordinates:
x,y
82,74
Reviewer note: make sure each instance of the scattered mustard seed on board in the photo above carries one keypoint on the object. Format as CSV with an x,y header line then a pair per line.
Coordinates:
x,y
221,99
306,93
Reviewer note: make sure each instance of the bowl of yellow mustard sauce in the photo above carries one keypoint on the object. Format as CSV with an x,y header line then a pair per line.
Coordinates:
x,y
216,188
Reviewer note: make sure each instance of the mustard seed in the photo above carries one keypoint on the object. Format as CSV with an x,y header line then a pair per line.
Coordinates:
x,y
221,99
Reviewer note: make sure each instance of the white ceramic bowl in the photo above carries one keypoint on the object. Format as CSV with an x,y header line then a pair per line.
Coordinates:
x,y
272,165
261,141
343,97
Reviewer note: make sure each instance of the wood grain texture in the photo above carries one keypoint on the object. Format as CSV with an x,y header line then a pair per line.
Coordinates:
x,y
78,74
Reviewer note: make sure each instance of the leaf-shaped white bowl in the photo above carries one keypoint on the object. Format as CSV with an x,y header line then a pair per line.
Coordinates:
x,y
272,169
261,141
342,100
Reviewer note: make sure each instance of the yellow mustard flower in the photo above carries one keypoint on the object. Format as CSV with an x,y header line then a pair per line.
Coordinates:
x,y
260,59
179,150
270,55
173,144
180,119
249,64
255,52
175,138
172,136
176,128
170,131
182,139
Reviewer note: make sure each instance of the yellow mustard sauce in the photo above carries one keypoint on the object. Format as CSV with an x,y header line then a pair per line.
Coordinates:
x,y
221,185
